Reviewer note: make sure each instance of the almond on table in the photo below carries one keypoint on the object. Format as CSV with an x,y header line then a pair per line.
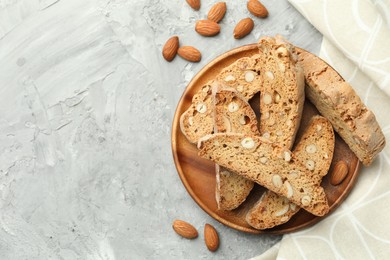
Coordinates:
x,y
170,48
243,28
211,237
195,4
185,229
217,12
207,27
189,53
257,9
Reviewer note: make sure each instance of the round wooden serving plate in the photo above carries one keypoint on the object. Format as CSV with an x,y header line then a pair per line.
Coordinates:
x,y
198,175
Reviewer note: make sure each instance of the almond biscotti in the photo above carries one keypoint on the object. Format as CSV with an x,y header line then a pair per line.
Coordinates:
x,y
242,75
281,104
269,165
198,119
232,189
232,114
336,100
314,150
282,91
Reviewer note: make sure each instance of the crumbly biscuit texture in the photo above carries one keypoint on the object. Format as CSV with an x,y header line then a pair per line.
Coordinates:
x,y
336,100
269,165
315,151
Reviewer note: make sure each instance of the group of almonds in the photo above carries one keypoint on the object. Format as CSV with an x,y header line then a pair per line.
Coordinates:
x,y
210,27
188,231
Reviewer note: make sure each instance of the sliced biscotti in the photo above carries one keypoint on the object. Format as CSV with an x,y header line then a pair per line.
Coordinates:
x,y
198,119
231,189
269,165
316,146
243,75
336,100
282,92
281,105
270,211
232,114
315,151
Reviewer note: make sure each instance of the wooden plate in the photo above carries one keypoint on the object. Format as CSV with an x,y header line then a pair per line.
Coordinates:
x,y
198,175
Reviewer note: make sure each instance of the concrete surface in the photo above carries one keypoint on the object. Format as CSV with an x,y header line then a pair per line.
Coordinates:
x,y
86,105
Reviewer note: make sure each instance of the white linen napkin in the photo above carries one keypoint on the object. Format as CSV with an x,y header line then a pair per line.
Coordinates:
x,y
357,29
357,44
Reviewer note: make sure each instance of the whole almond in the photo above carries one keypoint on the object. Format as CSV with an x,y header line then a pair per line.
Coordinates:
x,y
340,171
170,48
257,8
207,28
217,12
184,229
243,28
189,53
195,4
211,237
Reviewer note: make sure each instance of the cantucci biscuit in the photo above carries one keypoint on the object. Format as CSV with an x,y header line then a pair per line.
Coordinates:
x,y
269,165
198,119
281,104
315,151
242,76
282,91
336,100
232,114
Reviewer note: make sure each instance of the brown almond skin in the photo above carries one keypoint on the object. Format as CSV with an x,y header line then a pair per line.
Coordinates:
x,y
189,53
195,4
185,229
243,28
211,238
170,48
257,9
207,28
217,12
340,171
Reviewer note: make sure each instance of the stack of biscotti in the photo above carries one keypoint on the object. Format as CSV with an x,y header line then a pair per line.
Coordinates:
x,y
207,115
281,105
315,151
232,114
336,100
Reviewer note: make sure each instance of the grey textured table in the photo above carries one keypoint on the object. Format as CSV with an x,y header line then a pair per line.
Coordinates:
x,y
86,169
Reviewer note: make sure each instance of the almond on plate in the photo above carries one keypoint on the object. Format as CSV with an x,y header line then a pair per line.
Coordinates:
x,y
189,53
243,28
184,229
339,173
170,48
217,12
207,28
